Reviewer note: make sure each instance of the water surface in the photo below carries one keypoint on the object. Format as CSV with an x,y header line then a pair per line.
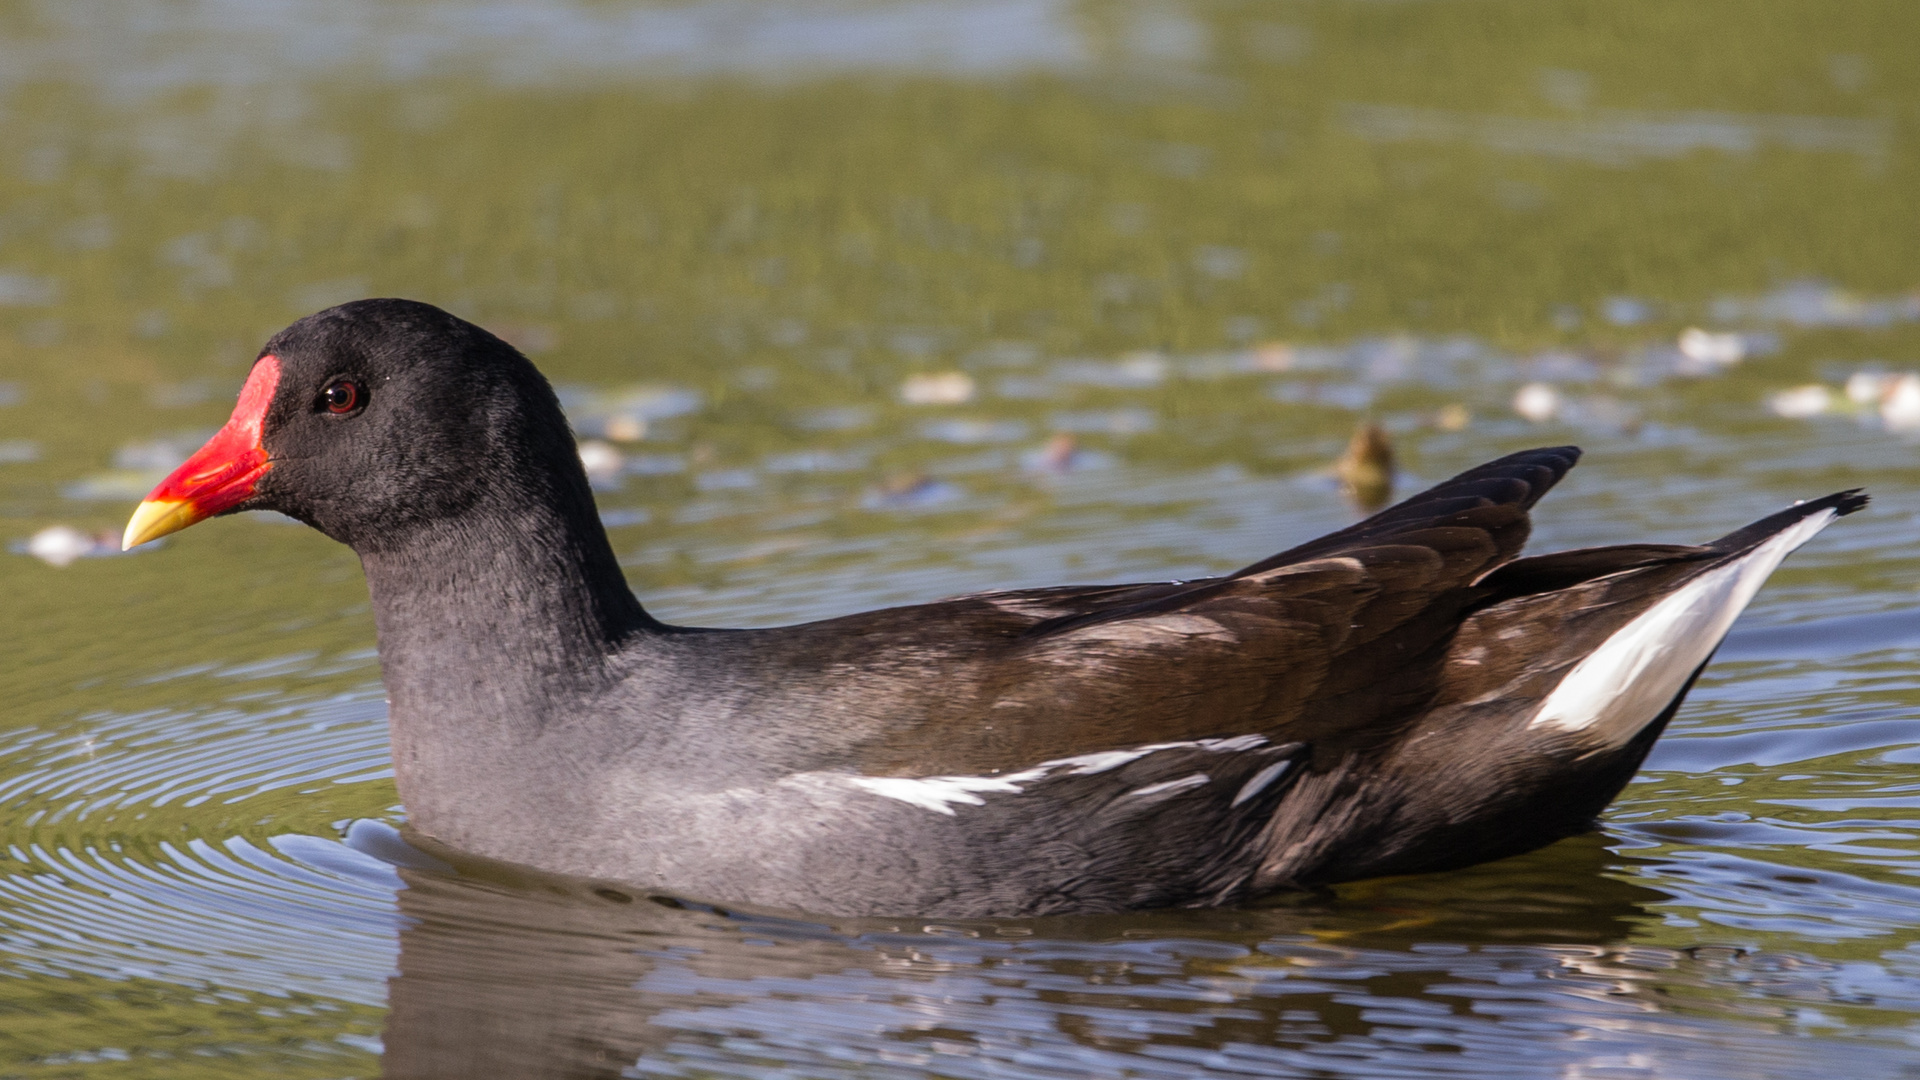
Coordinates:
x,y
869,303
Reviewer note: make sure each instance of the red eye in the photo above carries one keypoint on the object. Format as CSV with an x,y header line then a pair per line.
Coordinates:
x,y
343,396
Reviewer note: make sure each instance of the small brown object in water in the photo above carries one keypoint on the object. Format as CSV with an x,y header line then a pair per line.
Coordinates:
x,y
1058,456
1366,469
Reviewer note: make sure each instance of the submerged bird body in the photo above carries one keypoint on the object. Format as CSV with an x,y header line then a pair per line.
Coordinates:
x,y
1403,695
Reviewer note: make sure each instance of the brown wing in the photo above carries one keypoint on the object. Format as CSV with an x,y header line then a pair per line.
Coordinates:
x,y
1329,643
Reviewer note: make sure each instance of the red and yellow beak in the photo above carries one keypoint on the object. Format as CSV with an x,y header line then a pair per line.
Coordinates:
x,y
219,475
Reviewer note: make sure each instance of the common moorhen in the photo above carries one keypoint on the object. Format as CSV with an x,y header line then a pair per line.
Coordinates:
x,y
1403,695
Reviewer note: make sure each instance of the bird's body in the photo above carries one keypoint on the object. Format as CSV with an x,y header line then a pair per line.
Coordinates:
x,y
1403,695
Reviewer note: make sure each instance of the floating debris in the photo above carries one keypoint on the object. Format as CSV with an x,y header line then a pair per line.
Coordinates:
x,y
1892,397
1900,406
1272,356
625,428
625,414
938,388
1710,350
1365,471
604,463
1057,455
62,545
1452,417
906,491
1063,454
1537,402
19,451
1802,402
1868,387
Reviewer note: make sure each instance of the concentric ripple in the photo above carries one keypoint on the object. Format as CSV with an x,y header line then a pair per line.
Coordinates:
x,y
107,874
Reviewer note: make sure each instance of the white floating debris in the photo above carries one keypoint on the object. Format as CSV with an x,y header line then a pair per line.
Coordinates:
x,y
1537,402
938,388
1900,408
602,461
60,545
1868,387
1801,402
1710,350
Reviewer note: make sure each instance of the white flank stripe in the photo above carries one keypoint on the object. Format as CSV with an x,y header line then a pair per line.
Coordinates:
x,y
942,793
1260,781
1624,684
1185,782
939,793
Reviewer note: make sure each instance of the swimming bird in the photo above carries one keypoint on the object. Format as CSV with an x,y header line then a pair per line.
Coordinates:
x,y
1406,694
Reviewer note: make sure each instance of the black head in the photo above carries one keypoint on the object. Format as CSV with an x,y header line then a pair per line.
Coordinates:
x,y
379,417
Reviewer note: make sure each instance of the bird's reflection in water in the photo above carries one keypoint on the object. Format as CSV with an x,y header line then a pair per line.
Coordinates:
x,y
504,973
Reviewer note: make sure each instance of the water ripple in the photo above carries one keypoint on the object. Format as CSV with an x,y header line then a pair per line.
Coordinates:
x,y
105,877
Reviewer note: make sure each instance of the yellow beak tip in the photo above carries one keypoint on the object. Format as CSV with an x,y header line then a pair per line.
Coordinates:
x,y
156,518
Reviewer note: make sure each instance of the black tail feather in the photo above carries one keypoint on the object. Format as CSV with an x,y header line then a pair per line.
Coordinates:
x,y
1841,503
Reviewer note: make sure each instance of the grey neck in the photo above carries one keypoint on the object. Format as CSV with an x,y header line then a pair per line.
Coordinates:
x,y
494,627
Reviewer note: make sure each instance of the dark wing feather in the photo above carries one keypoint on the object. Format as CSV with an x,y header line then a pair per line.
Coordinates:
x,y
1297,647
1498,493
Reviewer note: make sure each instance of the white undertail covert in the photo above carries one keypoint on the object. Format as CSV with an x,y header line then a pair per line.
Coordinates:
x,y
1627,682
